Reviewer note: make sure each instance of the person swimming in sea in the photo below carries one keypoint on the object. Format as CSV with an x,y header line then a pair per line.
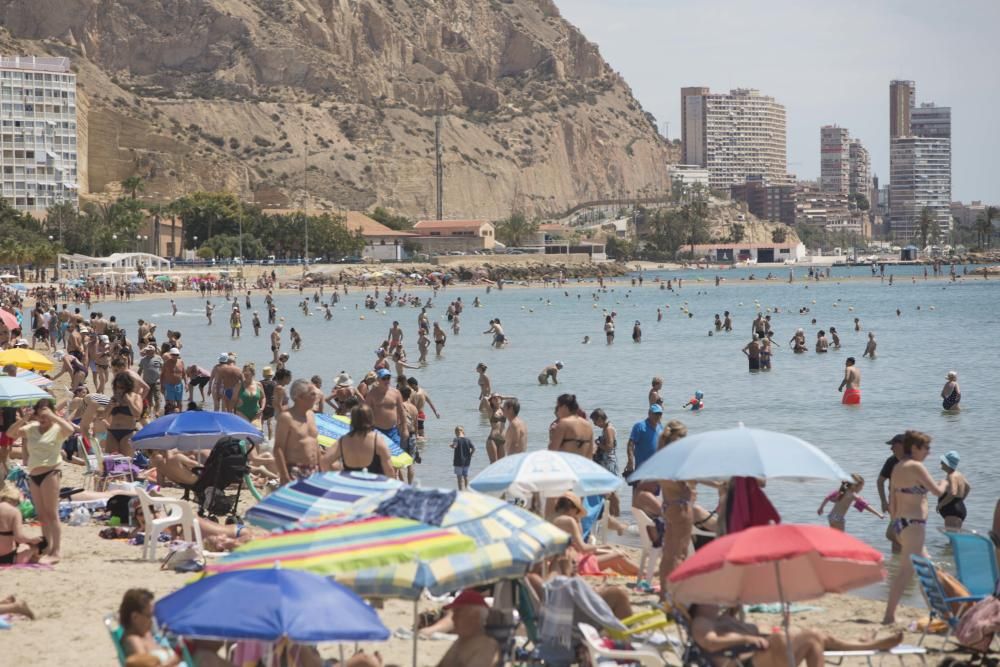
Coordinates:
x,y
696,403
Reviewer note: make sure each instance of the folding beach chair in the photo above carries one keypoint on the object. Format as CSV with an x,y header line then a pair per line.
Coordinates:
x,y
938,603
650,554
600,653
595,523
975,562
115,632
95,464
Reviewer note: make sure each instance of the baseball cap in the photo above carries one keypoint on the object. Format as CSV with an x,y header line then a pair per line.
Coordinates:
x,y
896,439
382,373
174,351
656,409
468,598
224,358
951,459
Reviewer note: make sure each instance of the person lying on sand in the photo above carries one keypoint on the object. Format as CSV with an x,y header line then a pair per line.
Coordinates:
x,y
715,630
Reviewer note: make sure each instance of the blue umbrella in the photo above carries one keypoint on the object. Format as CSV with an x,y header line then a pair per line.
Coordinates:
x,y
193,430
740,452
545,472
269,605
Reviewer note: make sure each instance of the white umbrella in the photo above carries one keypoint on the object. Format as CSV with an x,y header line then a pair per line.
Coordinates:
x,y
547,473
740,452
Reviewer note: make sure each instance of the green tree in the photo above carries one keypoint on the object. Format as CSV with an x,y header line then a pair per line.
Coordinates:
x,y
618,249
984,225
133,185
515,230
779,234
924,225
861,202
399,223
696,220
738,232
207,213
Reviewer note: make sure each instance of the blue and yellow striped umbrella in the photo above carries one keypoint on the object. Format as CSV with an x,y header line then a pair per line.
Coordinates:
x,y
333,427
485,565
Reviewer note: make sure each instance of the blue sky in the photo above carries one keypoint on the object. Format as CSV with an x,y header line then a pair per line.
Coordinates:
x,y
827,62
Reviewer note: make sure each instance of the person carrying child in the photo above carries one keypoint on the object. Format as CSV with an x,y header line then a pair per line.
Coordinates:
x,y
843,498
464,450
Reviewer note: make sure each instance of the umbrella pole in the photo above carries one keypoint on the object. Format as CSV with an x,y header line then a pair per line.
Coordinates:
x,y
785,613
415,633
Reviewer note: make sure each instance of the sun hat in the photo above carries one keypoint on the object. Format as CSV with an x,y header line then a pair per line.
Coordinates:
x,y
343,380
468,598
575,500
23,343
174,351
952,375
224,358
951,459
382,373
369,376
267,371
656,409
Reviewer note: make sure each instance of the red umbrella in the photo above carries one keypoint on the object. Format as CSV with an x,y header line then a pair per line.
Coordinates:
x,y
783,563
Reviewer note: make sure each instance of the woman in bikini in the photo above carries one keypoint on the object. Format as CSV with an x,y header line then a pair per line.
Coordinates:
x,y
11,533
910,483
102,362
44,431
123,411
570,432
678,505
605,454
495,441
587,558
363,448
485,388
250,399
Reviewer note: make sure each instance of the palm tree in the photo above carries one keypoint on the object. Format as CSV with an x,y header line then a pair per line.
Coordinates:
x,y
925,224
989,213
133,185
984,229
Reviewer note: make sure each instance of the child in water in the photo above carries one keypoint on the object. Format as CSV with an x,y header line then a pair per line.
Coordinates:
x,y
695,404
842,499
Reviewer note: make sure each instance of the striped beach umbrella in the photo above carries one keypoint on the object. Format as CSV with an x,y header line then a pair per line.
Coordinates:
x,y
318,495
547,473
34,378
485,565
333,427
16,393
485,519
334,549
24,358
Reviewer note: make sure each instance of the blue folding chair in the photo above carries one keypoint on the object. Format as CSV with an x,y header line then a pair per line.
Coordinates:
x,y
938,603
975,562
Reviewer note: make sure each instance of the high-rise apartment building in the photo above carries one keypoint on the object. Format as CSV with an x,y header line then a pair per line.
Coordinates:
x,y
902,98
38,132
835,159
861,171
734,135
919,163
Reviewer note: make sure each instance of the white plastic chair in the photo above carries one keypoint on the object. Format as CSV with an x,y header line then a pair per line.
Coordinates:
x,y
597,650
178,513
650,554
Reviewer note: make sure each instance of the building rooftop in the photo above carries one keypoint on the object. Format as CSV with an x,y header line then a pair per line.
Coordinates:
x,y
451,225
35,63
357,220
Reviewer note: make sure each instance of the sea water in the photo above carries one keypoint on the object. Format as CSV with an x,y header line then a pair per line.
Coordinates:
x,y
942,326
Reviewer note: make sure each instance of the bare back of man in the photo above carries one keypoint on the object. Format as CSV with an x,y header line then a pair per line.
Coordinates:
x,y
228,377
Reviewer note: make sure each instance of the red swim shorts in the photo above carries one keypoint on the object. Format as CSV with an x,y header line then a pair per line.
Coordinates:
x,y
851,397
5,440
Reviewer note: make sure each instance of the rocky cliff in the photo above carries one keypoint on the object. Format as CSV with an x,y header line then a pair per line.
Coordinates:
x,y
337,99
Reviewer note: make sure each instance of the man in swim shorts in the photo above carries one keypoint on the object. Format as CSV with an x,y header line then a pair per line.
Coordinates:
x,y
172,380
851,384
389,415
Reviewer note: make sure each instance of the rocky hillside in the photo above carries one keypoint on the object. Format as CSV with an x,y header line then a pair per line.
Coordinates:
x,y
337,98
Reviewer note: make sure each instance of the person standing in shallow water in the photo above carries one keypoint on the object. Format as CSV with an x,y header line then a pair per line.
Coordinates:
x,y
752,351
951,394
851,384
870,348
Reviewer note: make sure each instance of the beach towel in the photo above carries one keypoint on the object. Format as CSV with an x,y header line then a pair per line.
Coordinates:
x,y
426,506
568,601
748,506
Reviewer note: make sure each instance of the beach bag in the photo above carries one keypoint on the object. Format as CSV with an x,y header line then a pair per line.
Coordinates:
x,y
118,506
183,557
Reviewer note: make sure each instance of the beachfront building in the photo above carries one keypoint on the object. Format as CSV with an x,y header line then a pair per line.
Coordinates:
x,y
443,236
38,132
919,162
734,135
381,242
835,159
759,253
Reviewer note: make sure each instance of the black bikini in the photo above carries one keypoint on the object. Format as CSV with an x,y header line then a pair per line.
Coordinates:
x,y
375,467
38,478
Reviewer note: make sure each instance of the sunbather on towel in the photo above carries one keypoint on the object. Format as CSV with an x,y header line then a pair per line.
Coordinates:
x,y
588,558
715,631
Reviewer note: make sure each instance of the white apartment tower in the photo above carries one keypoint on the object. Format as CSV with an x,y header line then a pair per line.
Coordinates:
x,y
835,159
734,135
38,132
919,163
